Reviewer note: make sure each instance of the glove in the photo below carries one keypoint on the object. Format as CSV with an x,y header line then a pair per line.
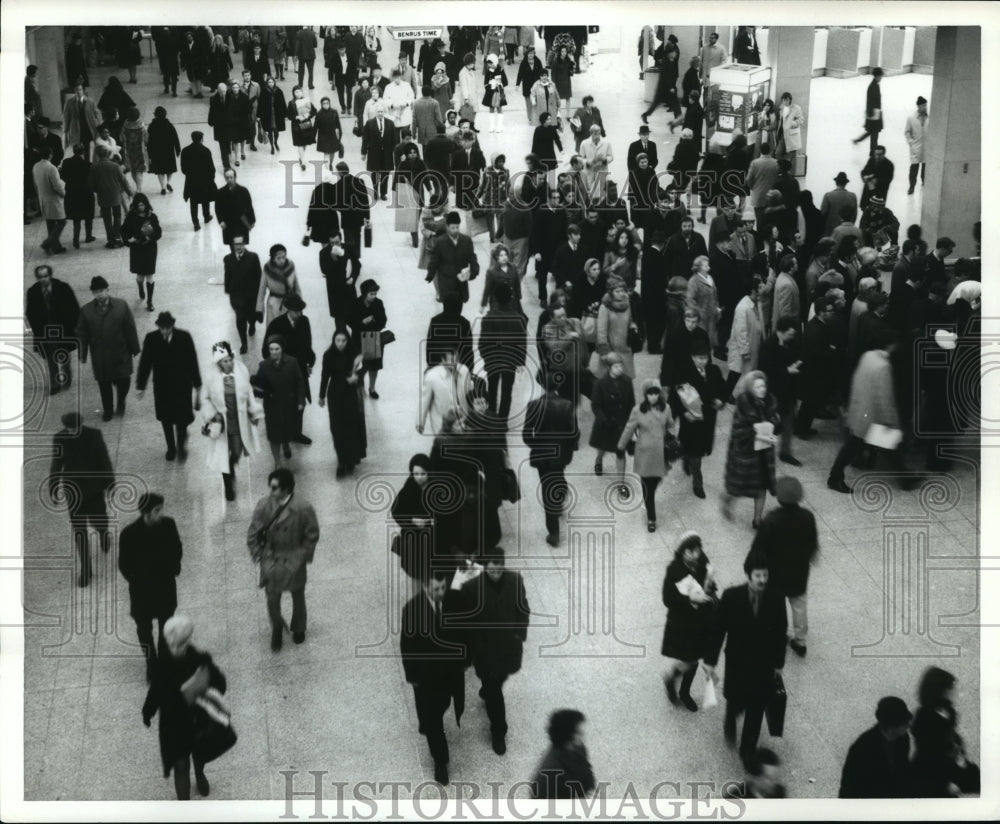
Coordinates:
x,y
145,719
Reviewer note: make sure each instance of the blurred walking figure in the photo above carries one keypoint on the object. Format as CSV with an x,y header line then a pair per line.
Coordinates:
x,y
565,771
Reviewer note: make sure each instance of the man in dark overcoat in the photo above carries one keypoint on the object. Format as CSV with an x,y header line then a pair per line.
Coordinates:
x,y
682,248
322,220
294,327
241,279
168,353
378,140
787,537
823,362
354,203
234,208
81,475
450,331
751,619
198,169
149,558
106,330
52,312
282,539
552,435
653,287
225,116
434,659
498,611
877,763
453,261
467,167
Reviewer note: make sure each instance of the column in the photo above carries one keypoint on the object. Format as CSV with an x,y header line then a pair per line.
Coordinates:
x,y
46,49
952,190
790,56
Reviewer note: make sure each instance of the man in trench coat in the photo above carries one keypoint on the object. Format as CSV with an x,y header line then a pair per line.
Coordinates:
x,y
168,353
198,169
282,538
106,330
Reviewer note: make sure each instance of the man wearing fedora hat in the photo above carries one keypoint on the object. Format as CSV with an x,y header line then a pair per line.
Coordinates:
x,y
877,763
106,330
168,353
296,330
642,146
835,201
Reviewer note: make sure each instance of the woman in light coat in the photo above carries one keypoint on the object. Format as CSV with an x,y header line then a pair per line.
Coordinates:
x,y
747,334
703,295
648,423
791,119
467,94
278,281
614,320
228,399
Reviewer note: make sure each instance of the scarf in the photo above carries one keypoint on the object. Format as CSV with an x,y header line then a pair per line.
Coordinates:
x,y
615,305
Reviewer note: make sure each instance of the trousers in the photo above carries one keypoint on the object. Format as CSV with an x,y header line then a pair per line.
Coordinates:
x,y
800,617
298,623
112,217
206,210
431,706
121,386
496,707
553,482
502,381
753,716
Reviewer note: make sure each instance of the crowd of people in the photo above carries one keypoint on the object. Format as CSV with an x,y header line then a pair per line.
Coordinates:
x,y
780,315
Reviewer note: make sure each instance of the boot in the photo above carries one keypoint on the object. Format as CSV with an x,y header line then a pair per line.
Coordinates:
x,y
83,551
499,122
149,297
493,122
142,291
200,780
227,482
685,691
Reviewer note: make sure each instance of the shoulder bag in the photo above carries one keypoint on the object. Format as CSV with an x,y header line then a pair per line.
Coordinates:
x,y
213,730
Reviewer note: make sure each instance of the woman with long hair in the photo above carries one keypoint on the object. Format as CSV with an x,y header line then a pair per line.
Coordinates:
x,y
230,412
140,232
220,62
271,112
767,127
182,676
114,99
340,385
301,115
622,258
689,593
563,68
648,424
750,459
492,193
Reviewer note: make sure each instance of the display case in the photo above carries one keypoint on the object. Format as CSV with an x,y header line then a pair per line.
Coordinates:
x,y
736,95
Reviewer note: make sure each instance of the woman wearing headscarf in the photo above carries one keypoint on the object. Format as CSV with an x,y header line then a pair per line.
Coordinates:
x,y
301,114
133,140
271,111
280,380
648,424
689,593
163,147
367,322
220,62
750,459
328,132
340,385
441,86
494,96
182,676
611,400
408,183
140,232
695,396
279,281
614,320
412,512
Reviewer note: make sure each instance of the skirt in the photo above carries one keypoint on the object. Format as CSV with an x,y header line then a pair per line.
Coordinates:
x,y
409,209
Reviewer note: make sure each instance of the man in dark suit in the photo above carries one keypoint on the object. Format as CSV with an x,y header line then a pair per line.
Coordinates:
x,y
169,355
497,628
223,111
548,227
653,287
80,476
354,203
751,619
198,169
568,259
149,558
877,763
45,138
241,280
434,655
294,327
322,220
378,139
453,261
552,435
52,311
822,355
304,49
234,208
345,75
873,111
593,235
642,146
682,249
450,331
877,175
467,166
437,156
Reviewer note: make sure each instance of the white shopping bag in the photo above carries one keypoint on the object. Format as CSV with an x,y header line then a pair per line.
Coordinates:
x,y
709,699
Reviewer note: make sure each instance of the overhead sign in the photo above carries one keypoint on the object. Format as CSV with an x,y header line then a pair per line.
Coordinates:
x,y
415,32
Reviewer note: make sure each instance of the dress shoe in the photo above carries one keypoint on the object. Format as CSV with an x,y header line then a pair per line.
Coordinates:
x,y
242,156
303,439
90,239
286,450
805,434
651,526
441,774
671,691
909,191
276,639
197,227
838,486
341,472
182,453
252,149
120,409
798,647
208,219
688,702
699,492
236,162
83,580
552,539
171,454
76,243
202,783
163,191
790,460
499,745
243,349
598,469
299,637
252,330
170,188
373,394
729,732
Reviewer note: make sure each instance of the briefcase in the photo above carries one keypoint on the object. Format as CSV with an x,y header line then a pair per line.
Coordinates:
x,y
775,709
368,237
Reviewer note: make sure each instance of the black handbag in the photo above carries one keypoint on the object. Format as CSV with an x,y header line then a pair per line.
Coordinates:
x,y
213,733
386,337
511,489
368,237
673,450
774,711
634,340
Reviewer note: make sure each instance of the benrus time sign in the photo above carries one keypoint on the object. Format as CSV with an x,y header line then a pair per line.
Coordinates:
x,y
425,33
